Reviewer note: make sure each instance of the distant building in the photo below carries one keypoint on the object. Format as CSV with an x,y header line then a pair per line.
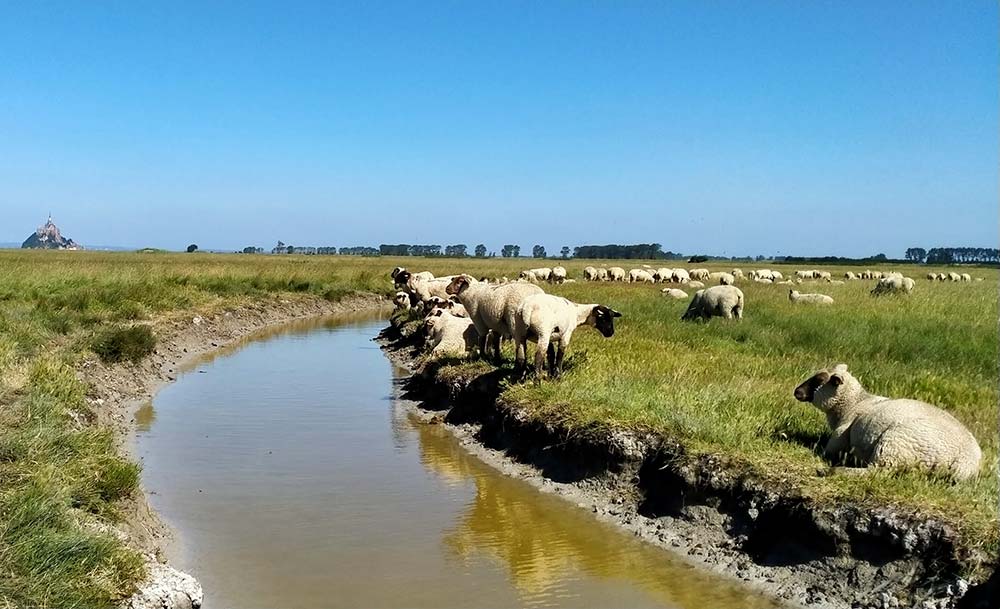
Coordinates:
x,y
48,237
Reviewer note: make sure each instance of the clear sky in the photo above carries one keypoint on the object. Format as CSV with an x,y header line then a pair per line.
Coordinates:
x,y
819,128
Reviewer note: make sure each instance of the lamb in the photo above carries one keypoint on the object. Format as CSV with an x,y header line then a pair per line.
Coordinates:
x,y
889,432
590,273
637,275
893,284
695,285
544,317
401,300
450,336
674,293
616,273
722,278
491,308
558,275
820,299
721,300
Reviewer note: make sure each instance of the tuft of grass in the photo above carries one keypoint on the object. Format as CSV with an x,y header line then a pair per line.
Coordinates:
x,y
117,344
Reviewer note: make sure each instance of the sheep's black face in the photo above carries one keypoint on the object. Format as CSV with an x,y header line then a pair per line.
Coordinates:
x,y
402,277
807,390
604,320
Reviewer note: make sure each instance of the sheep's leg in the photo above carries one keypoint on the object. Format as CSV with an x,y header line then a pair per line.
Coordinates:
x,y
498,358
520,355
550,354
484,339
540,352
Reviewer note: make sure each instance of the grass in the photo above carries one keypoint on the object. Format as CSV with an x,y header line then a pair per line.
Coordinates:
x,y
722,388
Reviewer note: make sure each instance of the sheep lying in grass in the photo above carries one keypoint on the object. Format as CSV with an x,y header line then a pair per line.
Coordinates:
x,y
491,309
450,336
718,301
543,318
695,285
721,278
889,432
893,284
674,293
820,299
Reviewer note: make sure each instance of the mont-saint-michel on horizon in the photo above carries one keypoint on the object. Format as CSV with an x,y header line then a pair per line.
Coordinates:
x,y
48,237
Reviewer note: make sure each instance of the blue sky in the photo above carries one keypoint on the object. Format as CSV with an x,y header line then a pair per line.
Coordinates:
x,y
810,128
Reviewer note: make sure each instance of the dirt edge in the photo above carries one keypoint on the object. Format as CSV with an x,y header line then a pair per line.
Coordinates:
x,y
822,557
116,392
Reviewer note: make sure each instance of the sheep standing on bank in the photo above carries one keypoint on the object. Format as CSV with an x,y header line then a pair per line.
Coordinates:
x,y
558,275
819,299
543,318
401,300
449,335
491,309
424,289
719,301
888,432
674,293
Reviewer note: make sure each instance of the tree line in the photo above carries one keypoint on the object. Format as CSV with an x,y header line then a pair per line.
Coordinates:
x,y
954,255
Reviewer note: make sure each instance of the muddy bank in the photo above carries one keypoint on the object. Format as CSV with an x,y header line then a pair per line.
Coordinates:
x,y
115,393
823,556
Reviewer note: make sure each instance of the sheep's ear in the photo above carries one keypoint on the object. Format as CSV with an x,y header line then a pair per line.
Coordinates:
x,y
840,368
836,380
615,313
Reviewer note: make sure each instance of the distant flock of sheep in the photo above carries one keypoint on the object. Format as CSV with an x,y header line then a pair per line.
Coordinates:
x,y
463,315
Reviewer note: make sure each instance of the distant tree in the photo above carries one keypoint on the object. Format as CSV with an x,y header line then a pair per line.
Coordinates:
x,y
698,258
192,248
879,258
480,250
564,251
916,254
538,252
517,251
458,251
290,249
640,250
250,250
507,251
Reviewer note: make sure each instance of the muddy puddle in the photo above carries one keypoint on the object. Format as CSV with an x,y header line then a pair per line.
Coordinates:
x,y
294,478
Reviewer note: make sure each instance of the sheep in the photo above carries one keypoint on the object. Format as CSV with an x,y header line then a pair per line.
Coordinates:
x,y
823,275
893,284
878,275
674,293
931,276
832,282
542,273
491,308
425,289
942,277
590,273
401,300
721,300
966,277
449,335
804,274
820,299
544,317
700,274
776,276
980,279
558,275
762,274
722,278
695,285
663,275
602,274
762,280
680,276
889,432
850,276
616,273
394,274
637,275
451,305
785,282
528,276
738,274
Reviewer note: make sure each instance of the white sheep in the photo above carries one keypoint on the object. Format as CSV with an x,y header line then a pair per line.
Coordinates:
x,y
776,276
680,276
966,277
449,335
491,309
699,274
889,432
932,276
783,282
738,274
893,284
602,274
663,275
674,293
820,299
763,280
425,289
721,278
640,275
695,285
543,318
616,273
721,301
590,273
528,276
401,300
558,275
804,274
834,282
942,277
850,276
823,275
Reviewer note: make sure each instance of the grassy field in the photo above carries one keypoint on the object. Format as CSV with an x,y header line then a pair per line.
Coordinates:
x,y
719,387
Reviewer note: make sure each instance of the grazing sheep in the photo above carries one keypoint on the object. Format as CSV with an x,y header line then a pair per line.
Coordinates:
x,y
738,274
590,273
721,301
602,274
931,276
674,293
823,275
966,277
820,299
637,275
850,276
401,300
980,279
893,284
491,308
542,318
776,276
889,432
558,275
699,274
449,335
804,274
680,276
663,275
721,278
616,273
528,276
695,285
942,277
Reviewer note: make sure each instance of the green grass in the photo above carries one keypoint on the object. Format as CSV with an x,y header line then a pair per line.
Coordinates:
x,y
720,387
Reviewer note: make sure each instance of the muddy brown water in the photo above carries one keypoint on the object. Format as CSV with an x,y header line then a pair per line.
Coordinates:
x,y
295,478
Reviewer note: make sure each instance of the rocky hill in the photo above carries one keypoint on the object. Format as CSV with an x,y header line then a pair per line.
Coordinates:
x,y
48,237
